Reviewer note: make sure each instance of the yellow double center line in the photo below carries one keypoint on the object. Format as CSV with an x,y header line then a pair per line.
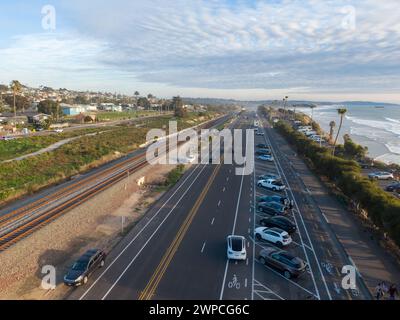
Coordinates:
x,y
152,285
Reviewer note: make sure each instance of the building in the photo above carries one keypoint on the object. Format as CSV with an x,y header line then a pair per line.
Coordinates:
x,y
72,110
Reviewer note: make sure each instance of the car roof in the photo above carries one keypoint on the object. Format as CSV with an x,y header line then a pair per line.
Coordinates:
x,y
277,230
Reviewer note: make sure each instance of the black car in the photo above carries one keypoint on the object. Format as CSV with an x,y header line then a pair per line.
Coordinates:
x,y
282,200
262,146
290,265
84,267
273,208
279,222
393,187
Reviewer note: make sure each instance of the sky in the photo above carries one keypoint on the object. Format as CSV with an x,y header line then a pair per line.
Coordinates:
x,y
331,50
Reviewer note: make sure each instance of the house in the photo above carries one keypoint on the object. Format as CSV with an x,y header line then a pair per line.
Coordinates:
x,y
37,117
71,110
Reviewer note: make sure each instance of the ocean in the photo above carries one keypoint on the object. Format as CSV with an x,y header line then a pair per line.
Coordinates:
x,y
373,126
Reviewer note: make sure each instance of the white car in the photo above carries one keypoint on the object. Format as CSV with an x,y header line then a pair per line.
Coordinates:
x,y
59,130
381,175
272,184
274,235
236,248
259,133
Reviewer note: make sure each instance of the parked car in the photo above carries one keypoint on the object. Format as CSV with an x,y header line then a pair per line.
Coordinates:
x,y
273,235
282,200
393,187
279,222
263,146
273,208
290,265
259,133
269,176
272,184
263,153
84,267
59,130
265,157
310,133
381,176
236,248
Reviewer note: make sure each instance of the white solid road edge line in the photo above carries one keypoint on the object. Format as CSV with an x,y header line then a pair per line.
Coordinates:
x,y
138,234
233,231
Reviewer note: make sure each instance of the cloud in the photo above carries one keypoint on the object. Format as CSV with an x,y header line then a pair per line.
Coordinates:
x,y
232,45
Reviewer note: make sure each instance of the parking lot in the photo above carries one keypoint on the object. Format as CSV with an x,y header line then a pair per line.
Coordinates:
x,y
322,280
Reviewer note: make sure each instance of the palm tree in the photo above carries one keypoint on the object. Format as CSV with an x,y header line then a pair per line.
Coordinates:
x,y
16,88
341,112
312,107
332,125
137,94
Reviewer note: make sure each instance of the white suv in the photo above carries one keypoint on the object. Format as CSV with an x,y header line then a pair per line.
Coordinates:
x,y
272,184
274,235
236,249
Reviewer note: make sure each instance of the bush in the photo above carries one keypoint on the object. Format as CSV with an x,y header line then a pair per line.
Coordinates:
x,y
382,208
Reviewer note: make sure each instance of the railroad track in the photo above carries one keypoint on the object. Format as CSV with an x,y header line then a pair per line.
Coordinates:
x,y
22,222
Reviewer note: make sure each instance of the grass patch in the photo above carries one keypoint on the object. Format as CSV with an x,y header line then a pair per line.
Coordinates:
x,y
29,175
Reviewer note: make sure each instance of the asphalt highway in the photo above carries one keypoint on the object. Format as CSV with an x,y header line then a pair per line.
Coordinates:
x,y
178,250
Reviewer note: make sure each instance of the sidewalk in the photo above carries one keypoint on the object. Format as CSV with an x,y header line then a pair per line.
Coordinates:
x,y
372,261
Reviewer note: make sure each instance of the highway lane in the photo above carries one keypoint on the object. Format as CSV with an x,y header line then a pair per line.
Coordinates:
x,y
181,254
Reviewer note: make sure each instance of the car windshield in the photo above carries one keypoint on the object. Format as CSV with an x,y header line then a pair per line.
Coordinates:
x,y
237,244
79,266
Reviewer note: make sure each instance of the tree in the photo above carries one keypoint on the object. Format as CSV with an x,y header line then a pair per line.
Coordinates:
x,y
150,96
81,100
177,105
137,94
332,126
50,107
341,112
16,87
3,89
144,103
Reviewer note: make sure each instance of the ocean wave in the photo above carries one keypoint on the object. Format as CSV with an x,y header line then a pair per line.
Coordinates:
x,y
387,126
393,147
389,158
393,120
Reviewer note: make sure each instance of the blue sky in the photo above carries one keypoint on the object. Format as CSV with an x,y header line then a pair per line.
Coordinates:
x,y
320,50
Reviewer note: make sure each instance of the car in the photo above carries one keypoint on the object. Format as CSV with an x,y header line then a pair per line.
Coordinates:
x,y
7,138
282,200
381,176
59,130
365,164
262,145
269,176
274,235
265,157
263,153
290,265
236,248
272,184
259,133
310,133
393,187
80,271
279,222
273,208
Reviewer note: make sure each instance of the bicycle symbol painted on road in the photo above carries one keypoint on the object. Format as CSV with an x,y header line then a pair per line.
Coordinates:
x,y
234,283
328,267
